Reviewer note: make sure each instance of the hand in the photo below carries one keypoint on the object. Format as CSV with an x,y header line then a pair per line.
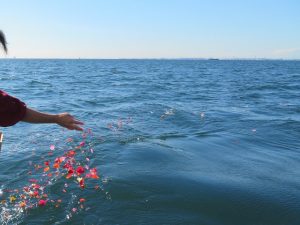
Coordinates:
x,y
68,121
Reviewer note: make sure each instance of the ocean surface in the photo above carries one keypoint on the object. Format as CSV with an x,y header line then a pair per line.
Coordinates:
x,y
174,141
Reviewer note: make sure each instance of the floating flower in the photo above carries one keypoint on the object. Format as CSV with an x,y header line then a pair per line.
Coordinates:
x,y
22,204
93,174
33,181
71,153
35,186
35,192
26,189
67,165
81,182
70,173
23,196
59,160
42,202
12,198
69,140
37,167
80,170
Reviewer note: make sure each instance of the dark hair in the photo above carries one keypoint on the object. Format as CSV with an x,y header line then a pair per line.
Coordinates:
x,y
3,41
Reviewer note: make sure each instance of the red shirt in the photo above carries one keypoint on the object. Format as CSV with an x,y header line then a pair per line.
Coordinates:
x,y
12,110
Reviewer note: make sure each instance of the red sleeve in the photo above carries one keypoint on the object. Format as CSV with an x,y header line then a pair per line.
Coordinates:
x,y
12,110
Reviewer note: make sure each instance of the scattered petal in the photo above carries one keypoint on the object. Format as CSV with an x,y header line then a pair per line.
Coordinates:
x,y
22,204
71,153
80,170
33,181
42,202
26,189
12,198
35,186
93,174
35,193
70,173
81,182
69,140
37,167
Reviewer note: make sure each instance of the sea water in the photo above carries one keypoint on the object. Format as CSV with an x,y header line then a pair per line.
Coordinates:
x,y
210,142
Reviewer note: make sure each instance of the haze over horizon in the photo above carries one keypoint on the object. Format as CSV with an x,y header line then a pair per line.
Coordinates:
x,y
152,29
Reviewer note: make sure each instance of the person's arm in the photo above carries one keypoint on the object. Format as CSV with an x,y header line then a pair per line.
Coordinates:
x,y
63,119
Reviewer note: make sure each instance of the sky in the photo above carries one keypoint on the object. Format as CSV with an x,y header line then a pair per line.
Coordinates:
x,y
151,28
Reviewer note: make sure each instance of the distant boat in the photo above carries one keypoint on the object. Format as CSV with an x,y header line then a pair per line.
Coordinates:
x,y
213,59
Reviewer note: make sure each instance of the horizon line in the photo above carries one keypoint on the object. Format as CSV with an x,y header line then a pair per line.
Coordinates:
x,y
154,58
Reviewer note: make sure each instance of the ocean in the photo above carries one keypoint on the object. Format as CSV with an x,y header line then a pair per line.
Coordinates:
x,y
208,142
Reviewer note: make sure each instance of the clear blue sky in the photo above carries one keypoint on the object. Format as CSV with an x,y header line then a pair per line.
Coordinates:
x,y
151,28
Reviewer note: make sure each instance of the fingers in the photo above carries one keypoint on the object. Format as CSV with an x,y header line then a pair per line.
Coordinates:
x,y
78,122
74,120
69,122
78,128
74,127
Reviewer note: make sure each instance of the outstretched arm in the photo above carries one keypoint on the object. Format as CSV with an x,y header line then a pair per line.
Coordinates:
x,y
63,119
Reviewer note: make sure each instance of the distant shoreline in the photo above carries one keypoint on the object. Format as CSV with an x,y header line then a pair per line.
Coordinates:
x,y
166,59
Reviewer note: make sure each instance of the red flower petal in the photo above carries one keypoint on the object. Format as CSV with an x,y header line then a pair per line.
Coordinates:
x,y
42,202
80,170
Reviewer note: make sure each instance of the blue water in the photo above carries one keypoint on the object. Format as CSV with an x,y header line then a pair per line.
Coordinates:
x,y
202,142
